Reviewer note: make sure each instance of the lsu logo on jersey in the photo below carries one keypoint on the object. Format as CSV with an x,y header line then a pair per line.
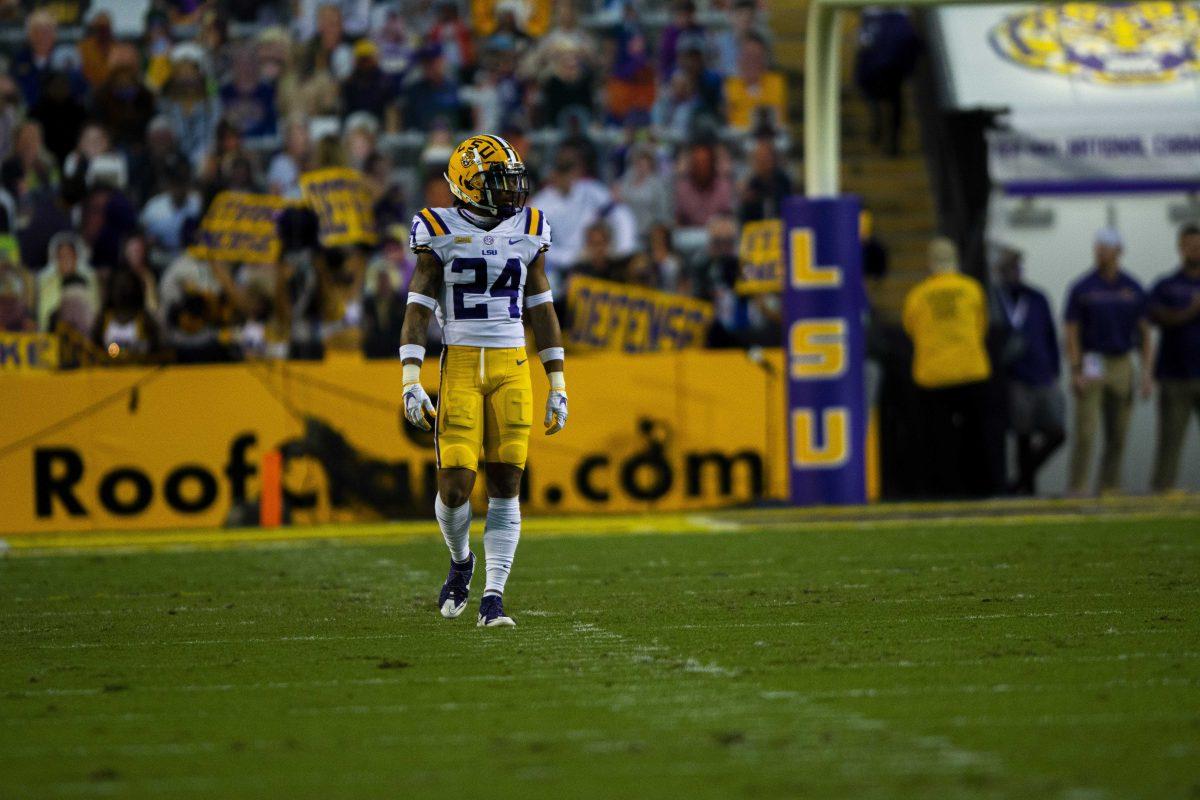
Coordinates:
x,y
1113,44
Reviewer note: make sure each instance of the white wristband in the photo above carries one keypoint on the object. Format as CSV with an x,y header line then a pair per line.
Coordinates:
x,y
422,300
411,374
557,381
552,354
412,351
538,299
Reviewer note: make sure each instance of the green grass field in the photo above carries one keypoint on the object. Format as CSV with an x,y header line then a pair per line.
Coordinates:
x,y
1042,659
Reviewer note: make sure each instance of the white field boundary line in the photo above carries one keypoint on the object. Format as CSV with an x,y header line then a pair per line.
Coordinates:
x,y
41,545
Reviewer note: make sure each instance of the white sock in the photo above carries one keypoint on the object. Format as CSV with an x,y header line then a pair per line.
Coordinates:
x,y
500,538
456,528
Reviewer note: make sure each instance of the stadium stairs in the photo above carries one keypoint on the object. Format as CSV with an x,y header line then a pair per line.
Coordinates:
x,y
896,190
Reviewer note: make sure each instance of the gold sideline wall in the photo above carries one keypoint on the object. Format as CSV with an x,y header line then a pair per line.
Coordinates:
x,y
169,447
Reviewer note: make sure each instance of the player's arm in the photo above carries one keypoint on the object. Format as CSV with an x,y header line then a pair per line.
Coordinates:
x,y
547,335
426,281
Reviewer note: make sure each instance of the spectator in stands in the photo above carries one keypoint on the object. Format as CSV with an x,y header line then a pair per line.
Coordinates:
x,y
566,36
193,306
186,104
60,113
665,265
1175,307
165,215
327,53
597,259
385,294
11,112
683,24
737,321
157,44
703,188
395,44
508,34
1105,322
285,169
767,186
246,100
122,102
1036,406
434,97
756,97
38,168
570,202
135,259
388,200
68,262
35,59
727,42
16,290
568,87
678,108
630,88
453,38
353,15
644,189
106,217
42,213
368,88
946,317
888,48
93,147
360,140
125,329
95,49
693,62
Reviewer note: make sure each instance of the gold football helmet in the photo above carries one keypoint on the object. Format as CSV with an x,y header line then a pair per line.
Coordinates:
x,y
487,173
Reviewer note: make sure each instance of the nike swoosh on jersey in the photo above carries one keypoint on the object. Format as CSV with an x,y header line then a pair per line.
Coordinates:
x,y
514,241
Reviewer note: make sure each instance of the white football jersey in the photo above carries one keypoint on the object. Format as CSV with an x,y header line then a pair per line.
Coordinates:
x,y
483,272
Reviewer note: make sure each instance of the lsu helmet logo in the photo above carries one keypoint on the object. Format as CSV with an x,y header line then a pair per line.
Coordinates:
x,y
1116,44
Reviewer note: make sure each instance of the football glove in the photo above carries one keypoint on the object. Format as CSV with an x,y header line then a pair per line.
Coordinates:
x,y
556,404
418,408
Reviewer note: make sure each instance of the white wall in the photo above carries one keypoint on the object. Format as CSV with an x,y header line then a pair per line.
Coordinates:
x,y
1056,255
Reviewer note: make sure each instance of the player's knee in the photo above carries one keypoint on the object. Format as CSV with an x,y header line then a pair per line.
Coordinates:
x,y
455,485
504,480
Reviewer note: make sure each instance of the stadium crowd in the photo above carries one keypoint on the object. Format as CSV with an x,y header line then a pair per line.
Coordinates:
x,y
651,141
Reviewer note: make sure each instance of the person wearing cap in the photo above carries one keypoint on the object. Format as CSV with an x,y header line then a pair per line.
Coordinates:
x,y
1105,322
1175,308
368,88
946,316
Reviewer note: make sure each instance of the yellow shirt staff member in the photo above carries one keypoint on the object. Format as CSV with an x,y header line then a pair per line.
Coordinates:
x,y
945,315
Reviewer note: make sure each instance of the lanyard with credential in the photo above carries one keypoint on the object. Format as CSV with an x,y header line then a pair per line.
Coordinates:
x,y
1016,312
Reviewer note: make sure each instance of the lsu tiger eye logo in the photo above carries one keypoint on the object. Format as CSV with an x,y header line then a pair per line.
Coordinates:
x,y
1112,44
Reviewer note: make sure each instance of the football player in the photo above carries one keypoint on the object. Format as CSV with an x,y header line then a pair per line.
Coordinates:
x,y
481,270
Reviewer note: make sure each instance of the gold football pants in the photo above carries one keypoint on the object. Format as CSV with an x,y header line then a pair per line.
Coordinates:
x,y
485,403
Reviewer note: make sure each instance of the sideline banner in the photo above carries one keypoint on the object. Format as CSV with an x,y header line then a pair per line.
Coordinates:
x,y
761,257
145,448
617,316
342,203
240,226
825,349
28,351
